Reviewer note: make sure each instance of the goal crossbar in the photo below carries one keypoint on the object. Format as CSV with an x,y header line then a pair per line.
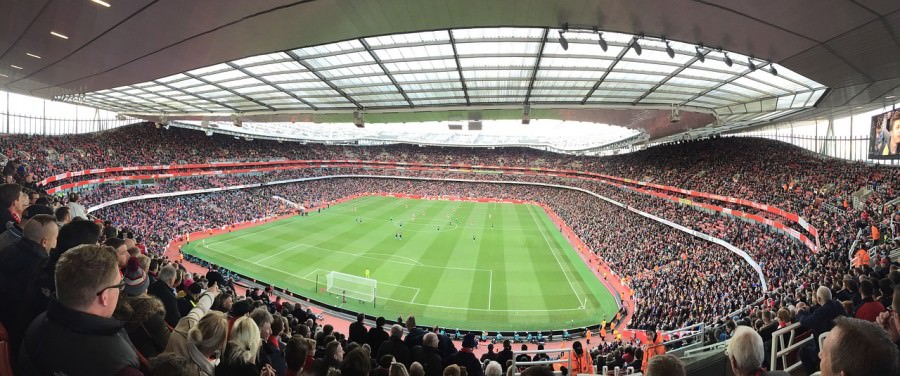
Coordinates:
x,y
350,286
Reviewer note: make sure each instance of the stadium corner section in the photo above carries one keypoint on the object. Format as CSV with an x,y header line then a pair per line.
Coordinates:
x,y
623,295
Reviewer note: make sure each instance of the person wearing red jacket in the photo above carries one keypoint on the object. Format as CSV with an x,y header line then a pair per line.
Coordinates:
x,y
870,308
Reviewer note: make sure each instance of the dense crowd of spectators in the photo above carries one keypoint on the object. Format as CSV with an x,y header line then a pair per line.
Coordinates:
x,y
677,279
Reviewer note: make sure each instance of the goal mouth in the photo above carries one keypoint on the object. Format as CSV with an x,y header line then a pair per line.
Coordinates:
x,y
350,286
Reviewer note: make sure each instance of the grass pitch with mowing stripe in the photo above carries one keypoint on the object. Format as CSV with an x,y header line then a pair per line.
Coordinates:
x,y
484,266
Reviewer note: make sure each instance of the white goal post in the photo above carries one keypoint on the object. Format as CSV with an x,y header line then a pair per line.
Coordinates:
x,y
349,286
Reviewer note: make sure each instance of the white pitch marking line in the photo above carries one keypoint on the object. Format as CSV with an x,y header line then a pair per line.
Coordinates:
x,y
490,288
553,252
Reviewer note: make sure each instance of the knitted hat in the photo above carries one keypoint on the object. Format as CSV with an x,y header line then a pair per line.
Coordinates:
x,y
136,281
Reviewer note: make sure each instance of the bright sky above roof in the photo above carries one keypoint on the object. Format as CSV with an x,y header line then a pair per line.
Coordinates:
x,y
556,134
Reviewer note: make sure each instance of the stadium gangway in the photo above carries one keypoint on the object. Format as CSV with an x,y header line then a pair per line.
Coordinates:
x,y
704,351
550,362
691,340
603,371
782,348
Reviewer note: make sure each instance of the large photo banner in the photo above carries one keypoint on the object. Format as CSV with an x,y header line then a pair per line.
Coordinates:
x,y
885,136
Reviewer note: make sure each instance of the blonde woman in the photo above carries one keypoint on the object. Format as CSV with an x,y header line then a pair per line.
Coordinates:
x,y
242,350
200,336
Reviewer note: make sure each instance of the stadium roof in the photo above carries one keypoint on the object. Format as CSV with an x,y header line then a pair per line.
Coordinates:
x,y
421,60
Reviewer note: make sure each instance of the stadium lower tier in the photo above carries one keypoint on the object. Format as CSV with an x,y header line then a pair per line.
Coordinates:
x,y
662,264
455,264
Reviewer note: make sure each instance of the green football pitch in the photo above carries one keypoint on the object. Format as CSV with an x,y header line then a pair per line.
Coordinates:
x,y
481,266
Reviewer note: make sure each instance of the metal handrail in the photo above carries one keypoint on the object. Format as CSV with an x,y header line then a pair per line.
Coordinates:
x,y
778,341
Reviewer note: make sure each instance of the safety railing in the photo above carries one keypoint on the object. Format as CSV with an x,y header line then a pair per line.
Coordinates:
x,y
785,343
551,362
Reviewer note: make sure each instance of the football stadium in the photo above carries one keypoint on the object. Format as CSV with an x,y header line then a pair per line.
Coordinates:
x,y
465,188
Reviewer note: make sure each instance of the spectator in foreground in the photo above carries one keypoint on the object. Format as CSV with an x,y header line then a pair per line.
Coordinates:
x,y
415,369
240,358
665,365
870,308
170,364
428,355
77,336
142,314
377,335
356,363
465,357
493,369
19,264
269,353
358,330
745,353
12,203
890,320
858,347
819,319
580,359
76,210
164,289
295,354
395,347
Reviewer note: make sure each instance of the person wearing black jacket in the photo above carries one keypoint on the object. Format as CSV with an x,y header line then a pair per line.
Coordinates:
x,y
395,346
358,330
504,355
415,334
76,336
429,356
163,289
19,264
466,358
377,335
269,353
819,319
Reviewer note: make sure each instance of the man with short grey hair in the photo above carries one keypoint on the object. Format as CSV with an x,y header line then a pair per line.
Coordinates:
x,y
428,355
819,319
745,353
164,289
395,346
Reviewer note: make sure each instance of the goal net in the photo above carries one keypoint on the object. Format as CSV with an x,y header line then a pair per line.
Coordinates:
x,y
351,286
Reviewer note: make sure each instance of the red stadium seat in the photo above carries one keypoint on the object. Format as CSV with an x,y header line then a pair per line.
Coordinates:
x,y
5,362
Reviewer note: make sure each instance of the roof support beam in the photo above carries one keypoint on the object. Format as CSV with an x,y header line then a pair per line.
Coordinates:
x,y
321,77
208,82
723,83
611,67
669,77
126,100
383,69
537,65
171,99
267,82
462,80
184,92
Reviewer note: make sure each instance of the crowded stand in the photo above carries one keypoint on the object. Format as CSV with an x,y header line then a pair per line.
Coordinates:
x,y
166,319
